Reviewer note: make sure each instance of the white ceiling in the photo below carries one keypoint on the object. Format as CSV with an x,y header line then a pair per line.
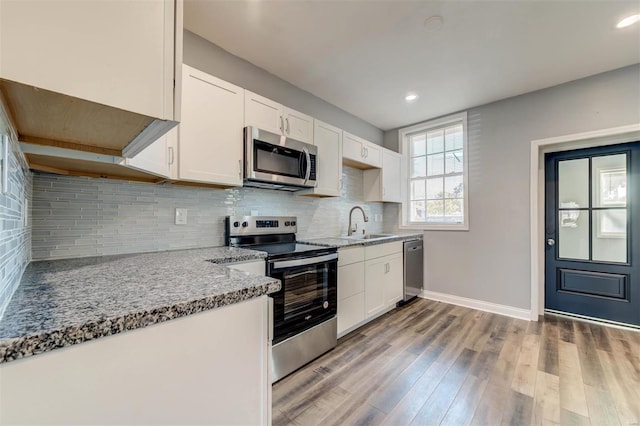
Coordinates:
x,y
365,56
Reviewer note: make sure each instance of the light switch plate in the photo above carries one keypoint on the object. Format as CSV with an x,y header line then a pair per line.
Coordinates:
x,y
181,216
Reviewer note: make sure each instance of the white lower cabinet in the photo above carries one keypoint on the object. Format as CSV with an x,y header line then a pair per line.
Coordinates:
x,y
212,367
370,282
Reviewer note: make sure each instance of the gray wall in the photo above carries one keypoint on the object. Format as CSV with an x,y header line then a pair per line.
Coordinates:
x,y
491,261
206,56
79,217
15,238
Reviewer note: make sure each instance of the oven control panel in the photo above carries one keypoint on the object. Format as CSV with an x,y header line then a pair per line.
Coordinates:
x,y
261,225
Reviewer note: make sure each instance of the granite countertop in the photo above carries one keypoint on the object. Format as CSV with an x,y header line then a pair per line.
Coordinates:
x,y
63,302
341,242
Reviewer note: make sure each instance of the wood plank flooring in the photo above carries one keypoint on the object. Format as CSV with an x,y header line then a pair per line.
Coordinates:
x,y
430,363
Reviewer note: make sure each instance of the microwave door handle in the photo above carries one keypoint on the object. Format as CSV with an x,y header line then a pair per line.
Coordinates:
x,y
308,171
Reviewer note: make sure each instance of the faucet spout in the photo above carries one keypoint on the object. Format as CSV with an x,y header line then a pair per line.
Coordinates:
x,y
366,218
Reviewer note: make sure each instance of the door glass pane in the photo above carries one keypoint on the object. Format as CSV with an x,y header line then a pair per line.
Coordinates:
x,y
573,183
610,235
573,234
609,180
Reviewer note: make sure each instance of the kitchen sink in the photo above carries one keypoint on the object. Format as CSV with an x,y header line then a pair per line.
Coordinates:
x,y
367,236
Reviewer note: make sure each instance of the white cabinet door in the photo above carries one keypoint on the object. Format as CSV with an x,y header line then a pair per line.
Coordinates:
x,y
158,158
384,184
116,53
328,139
372,154
352,147
210,143
263,113
375,283
394,277
359,153
350,296
297,125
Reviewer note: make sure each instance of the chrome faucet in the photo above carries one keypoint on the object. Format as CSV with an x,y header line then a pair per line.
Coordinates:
x,y
350,231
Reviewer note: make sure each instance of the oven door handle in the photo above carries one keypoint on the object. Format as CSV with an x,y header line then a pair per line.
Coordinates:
x,y
302,262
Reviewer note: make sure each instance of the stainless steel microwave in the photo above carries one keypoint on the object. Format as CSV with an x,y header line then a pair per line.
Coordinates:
x,y
277,162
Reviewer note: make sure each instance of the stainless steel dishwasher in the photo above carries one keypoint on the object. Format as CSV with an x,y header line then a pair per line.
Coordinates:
x,y
413,270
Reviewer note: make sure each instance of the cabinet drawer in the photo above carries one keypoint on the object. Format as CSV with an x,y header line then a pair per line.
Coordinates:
x,y
372,252
350,255
350,280
350,311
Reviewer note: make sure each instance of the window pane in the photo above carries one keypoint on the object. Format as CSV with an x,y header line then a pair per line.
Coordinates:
x,y
453,137
418,145
454,208
453,187
435,188
418,167
609,174
435,209
573,234
435,141
573,183
610,235
435,164
453,162
418,190
417,211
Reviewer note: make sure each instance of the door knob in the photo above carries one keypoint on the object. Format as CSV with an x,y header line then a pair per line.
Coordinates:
x,y
551,242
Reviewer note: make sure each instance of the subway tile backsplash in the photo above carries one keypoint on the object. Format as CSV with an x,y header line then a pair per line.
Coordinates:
x,y
79,217
15,237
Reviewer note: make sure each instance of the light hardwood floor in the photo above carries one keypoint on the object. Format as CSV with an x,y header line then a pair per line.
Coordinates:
x,y
431,363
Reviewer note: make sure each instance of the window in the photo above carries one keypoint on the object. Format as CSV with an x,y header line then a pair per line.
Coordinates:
x,y
435,174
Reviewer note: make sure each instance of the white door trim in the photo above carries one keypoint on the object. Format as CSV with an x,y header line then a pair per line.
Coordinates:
x,y
539,148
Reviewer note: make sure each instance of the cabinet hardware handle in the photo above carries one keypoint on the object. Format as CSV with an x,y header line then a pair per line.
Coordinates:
x,y
281,125
362,152
171,158
366,152
287,120
240,169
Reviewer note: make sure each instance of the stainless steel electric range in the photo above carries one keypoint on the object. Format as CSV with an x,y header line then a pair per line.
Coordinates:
x,y
305,324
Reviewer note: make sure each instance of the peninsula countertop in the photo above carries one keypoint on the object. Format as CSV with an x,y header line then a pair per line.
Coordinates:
x,y
64,302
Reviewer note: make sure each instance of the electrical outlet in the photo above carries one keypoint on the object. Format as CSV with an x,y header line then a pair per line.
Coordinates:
x,y
181,216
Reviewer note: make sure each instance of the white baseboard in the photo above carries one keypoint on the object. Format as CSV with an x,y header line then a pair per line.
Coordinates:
x,y
481,305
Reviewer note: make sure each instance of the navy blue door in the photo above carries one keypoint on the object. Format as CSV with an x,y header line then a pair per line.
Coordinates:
x,y
592,225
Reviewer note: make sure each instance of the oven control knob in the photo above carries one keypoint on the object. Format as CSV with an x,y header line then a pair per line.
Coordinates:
x,y
236,224
287,223
325,304
293,223
245,224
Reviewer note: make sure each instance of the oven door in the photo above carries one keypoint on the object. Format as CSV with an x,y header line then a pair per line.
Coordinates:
x,y
273,158
308,295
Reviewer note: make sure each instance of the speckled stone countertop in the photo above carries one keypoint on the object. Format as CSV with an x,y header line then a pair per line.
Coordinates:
x,y
63,302
341,242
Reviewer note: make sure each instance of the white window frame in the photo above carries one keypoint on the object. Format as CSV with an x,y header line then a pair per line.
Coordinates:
x,y
403,143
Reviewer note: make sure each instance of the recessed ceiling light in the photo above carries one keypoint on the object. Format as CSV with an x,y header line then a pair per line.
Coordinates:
x,y
411,97
629,20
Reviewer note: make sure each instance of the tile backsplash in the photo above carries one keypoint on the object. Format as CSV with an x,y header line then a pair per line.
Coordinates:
x,y
79,217
15,237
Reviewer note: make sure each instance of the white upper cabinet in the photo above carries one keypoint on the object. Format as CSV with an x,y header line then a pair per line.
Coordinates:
x,y
157,158
384,184
328,139
210,133
359,153
93,76
116,53
276,118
